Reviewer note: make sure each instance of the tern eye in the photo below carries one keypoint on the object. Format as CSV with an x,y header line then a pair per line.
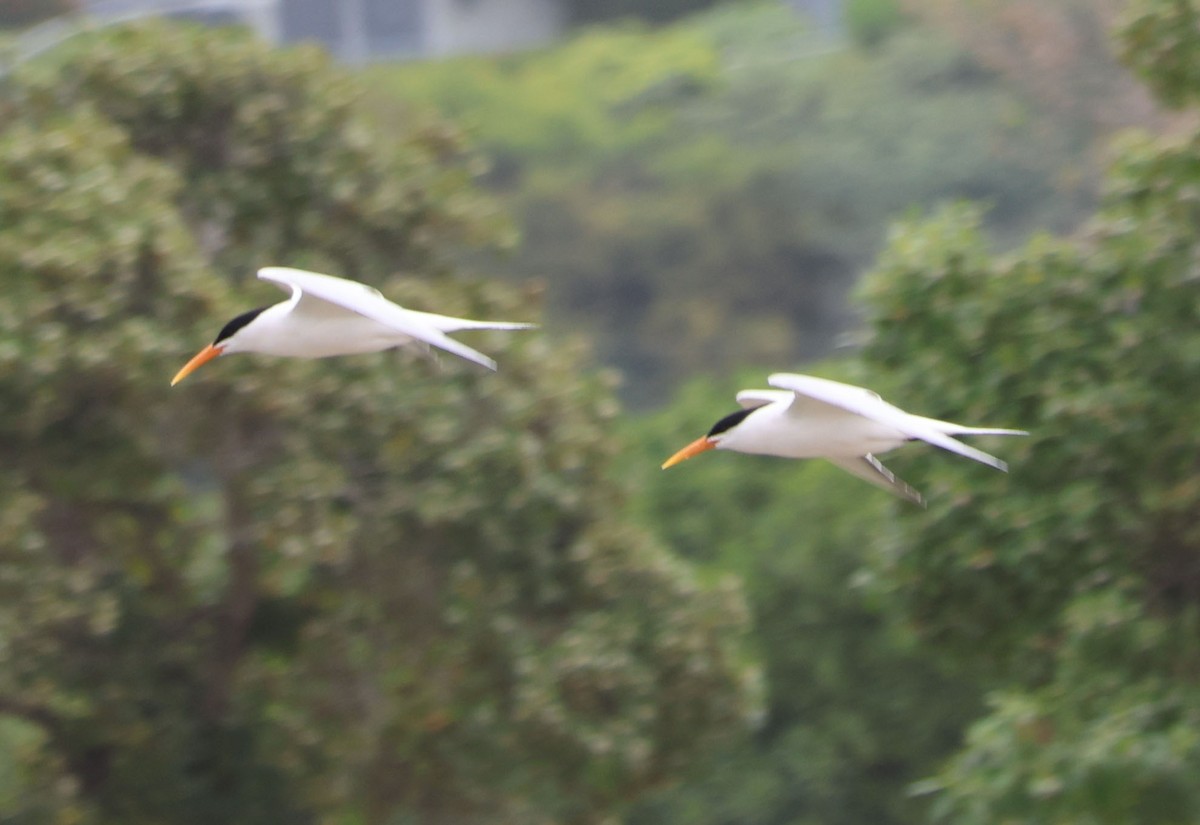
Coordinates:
x,y
729,421
237,323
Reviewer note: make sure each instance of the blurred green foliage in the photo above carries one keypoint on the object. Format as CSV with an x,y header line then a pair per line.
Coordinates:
x,y
703,196
1158,41
870,22
348,591
1072,584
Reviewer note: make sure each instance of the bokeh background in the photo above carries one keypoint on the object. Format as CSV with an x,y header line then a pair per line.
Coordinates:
x,y
381,590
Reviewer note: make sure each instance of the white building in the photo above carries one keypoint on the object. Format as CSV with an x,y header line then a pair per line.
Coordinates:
x,y
356,31
826,15
359,30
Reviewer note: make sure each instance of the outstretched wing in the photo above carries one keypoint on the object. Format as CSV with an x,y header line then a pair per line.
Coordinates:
x,y
749,399
869,405
368,302
868,468
326,287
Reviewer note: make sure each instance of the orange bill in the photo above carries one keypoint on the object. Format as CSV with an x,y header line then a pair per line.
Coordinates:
x,y
202,357
695,448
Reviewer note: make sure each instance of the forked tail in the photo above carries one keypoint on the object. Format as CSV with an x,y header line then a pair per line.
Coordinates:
x,y
940,433
448,323
950,428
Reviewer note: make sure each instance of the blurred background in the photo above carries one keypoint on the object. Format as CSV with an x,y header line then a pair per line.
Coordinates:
x,y
384,590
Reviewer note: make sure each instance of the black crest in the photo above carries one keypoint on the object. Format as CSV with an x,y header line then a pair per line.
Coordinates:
x,y
730,421
236,324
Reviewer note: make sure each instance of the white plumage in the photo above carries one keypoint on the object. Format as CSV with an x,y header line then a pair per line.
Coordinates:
x,y
808,417
328,316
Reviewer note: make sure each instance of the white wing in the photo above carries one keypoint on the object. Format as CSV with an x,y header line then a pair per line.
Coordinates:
x,y
869,405
326,287
750,399
868,468
370,303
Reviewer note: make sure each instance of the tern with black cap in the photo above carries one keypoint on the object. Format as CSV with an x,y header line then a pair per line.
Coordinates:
x,y
808,417
328,316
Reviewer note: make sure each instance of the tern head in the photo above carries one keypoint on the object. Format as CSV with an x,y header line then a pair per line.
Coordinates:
x,y
230,339
712,440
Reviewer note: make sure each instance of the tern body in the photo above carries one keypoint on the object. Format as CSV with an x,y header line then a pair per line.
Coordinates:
x,y
771,426
328,316
312,332
808,417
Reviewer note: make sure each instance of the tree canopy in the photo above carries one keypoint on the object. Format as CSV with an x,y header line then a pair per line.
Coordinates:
x,y
336,591
1074,583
